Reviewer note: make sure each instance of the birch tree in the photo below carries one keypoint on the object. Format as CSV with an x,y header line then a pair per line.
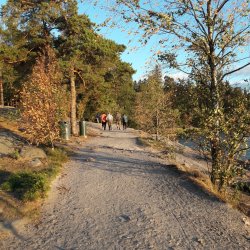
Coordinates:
x,y
203,38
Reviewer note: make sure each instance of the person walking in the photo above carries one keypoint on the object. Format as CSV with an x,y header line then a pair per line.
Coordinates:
x,y
109,120
97,118
118,119
104,120
124,121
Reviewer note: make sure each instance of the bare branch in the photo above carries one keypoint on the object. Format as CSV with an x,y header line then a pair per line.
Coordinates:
x,y
233,71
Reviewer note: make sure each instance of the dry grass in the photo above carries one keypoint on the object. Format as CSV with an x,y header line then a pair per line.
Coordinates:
x,y
8,164
11,208
233,197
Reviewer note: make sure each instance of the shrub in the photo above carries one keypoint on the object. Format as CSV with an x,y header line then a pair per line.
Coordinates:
x,y
41,105
29,186
57,155
243,186
26,185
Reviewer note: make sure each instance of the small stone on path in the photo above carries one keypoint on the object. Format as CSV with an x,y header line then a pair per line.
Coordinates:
x,y
90,159
124,218
199,240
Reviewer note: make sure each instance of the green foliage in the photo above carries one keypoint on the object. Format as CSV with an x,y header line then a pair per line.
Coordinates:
x,y
242,186
27,186
57,155
154,112
102,80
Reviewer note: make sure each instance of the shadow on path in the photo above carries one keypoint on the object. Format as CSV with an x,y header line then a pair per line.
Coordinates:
x,y
148,168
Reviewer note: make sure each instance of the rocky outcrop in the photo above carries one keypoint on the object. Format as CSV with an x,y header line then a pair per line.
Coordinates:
x,y
29,152
9,143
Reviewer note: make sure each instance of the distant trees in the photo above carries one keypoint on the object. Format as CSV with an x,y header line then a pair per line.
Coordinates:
x,y
190,98
154,112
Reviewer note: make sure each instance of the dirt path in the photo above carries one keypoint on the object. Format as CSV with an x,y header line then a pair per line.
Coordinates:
x,y
116,194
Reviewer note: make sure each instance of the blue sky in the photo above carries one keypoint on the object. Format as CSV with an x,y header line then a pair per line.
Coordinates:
x,y
141,57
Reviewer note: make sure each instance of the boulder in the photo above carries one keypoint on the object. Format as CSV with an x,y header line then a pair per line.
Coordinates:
x,y
32,153
7,145
34,163
5,149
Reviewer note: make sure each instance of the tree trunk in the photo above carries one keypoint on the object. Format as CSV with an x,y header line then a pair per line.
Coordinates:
x,y
1,89
157,125
214,97
216,112
73,102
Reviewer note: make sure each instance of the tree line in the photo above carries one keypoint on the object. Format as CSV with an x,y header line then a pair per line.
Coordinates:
x,y
56,65
170,108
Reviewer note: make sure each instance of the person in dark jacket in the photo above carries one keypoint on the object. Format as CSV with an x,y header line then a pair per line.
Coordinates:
x,y
124,121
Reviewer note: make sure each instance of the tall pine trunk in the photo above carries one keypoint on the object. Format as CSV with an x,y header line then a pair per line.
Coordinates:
x,y
73,102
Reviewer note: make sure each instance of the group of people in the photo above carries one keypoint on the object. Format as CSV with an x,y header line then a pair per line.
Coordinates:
x,y
120,120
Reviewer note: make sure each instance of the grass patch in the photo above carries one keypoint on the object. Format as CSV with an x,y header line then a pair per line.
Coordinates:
x,y
26,186
165,148
30,185
22,187
228,195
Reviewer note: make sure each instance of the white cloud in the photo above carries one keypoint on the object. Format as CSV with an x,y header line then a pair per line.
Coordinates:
x,y
178,75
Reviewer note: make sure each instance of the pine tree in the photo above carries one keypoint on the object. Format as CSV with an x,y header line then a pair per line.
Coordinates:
x,y
153,107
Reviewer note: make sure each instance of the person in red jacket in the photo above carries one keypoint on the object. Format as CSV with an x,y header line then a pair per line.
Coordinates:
x,y
104,120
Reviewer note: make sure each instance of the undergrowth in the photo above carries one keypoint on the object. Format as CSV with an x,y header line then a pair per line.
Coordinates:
x,y
231,195
30,185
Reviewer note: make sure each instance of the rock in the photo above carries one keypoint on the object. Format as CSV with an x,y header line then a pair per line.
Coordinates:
x,y
90,159
32,153
7,144
246,221
199,240
124,218
5,149
35,163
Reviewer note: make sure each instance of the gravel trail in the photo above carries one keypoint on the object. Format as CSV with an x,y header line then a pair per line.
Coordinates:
x,y
116,194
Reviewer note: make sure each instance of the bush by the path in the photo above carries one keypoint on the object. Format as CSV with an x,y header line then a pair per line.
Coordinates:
x,y
28,185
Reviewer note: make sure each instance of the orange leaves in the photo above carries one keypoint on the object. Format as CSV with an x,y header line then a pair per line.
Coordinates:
x,y
40,102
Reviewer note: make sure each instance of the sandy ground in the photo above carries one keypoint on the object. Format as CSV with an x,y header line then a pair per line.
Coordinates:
x,y
117,194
